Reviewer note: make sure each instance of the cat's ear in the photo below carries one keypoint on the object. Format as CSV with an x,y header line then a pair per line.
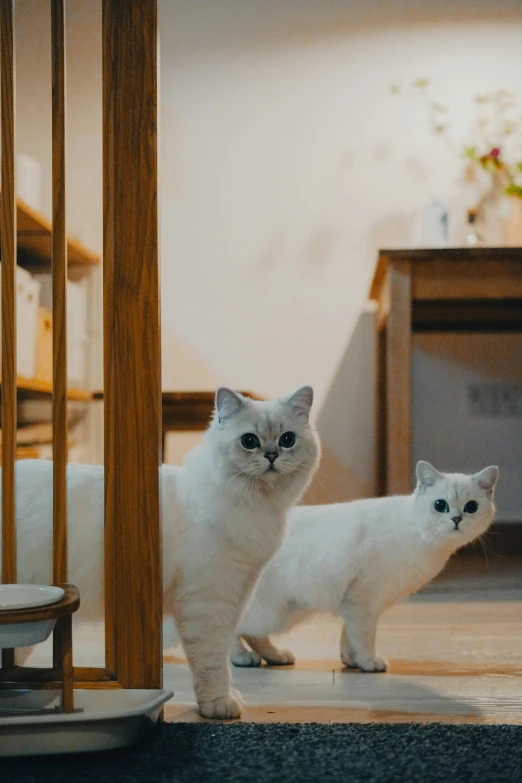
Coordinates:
x,y
487,479
301,401
228,403
427,475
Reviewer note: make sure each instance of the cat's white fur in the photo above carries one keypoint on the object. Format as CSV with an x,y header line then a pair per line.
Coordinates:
x,y
356,559
224,515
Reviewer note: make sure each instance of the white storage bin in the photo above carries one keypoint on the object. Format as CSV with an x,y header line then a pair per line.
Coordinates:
x,y
76,303
76,359
27,302
76,324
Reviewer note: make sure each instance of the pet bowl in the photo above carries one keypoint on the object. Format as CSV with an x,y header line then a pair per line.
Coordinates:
x,y
19,598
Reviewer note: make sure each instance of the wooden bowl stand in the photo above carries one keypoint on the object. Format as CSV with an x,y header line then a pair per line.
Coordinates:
x,y
62,669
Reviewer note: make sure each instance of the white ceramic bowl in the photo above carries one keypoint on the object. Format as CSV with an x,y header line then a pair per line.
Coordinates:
x,y
27,597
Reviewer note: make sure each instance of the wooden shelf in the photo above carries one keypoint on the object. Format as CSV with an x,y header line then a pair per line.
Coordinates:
x,y
25,452
32,388
190,411
34,237
187,411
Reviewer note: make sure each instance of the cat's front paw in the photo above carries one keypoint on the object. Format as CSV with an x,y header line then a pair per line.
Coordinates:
x,y
280,658
376,664
372,663
246,658
347,660
223,708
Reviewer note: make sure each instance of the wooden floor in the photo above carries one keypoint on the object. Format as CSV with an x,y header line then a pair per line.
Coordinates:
x,y
454,652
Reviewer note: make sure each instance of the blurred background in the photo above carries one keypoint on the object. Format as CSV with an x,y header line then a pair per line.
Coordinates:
x,y
297,139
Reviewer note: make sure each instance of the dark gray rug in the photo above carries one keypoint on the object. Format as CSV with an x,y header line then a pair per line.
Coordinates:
x,y
307,753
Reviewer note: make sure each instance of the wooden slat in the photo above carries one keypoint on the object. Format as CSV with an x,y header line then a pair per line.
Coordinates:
x,y
108,336
8,251
132,342
59,261
398,380
465,279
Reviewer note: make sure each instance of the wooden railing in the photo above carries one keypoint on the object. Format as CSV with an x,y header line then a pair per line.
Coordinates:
x,y
8,251
133,576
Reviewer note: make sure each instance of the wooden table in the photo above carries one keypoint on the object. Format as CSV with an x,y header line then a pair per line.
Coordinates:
x,y
186,411
448,290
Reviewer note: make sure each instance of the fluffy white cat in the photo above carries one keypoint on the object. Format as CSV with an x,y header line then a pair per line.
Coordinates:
x,y
356,559
224,515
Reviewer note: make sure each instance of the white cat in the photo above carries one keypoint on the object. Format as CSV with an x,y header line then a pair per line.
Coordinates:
x,y
356,559
224,515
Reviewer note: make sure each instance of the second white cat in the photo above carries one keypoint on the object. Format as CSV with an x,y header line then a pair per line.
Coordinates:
x,y
356,559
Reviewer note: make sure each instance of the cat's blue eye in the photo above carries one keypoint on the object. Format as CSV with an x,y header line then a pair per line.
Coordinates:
x,y
287,440
250,441
441,506
471,507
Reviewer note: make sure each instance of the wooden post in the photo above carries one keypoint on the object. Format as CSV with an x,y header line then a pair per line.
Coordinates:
x,y
133,574
8,251
59,268
398,380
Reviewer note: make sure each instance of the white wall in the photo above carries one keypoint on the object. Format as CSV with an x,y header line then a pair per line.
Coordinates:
x,y
289,162
285,164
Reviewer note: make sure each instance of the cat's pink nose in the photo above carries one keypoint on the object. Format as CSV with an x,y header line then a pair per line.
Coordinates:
x,y
456,520
271,456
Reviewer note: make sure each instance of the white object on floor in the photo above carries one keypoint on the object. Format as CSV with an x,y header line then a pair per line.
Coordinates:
x,y
27,597
104,720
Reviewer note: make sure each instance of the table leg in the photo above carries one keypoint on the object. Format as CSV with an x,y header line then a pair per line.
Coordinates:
x,y
380,409
8,659
398,381
65,640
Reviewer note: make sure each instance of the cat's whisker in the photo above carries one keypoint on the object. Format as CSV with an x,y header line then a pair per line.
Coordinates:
x,y
486,545
320,483
242,484
252,484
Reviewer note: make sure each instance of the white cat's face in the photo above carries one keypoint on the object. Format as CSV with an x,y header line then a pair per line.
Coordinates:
x,y
269,441
451,509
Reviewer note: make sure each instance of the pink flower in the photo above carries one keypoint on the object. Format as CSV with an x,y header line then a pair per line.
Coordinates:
x,y
495,152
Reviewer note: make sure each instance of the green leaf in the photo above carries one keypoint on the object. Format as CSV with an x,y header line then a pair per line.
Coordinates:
x,y
514,190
